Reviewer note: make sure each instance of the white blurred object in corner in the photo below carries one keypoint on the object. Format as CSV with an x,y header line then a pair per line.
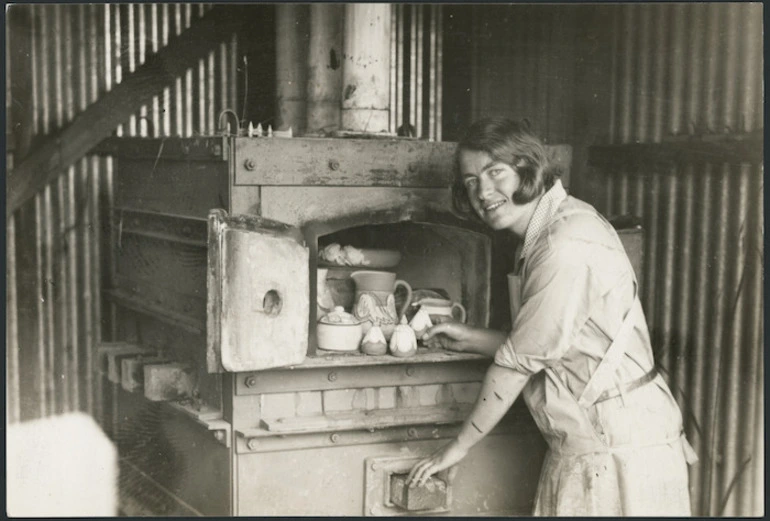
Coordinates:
x,y
62,466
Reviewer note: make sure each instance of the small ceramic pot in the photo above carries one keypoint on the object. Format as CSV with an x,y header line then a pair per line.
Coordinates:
x,y
339,331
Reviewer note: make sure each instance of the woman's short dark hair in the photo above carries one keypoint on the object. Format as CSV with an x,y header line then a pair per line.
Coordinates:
x,y
510,142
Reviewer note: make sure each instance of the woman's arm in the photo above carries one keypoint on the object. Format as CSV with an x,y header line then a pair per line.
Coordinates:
x,y
500,389
456,336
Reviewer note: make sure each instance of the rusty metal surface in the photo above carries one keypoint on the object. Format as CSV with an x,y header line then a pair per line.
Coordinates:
x,y
354,162
424,370
702,294
351,162
168,186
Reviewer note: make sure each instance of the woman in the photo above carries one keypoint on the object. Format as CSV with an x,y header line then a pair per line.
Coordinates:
x,y
579,350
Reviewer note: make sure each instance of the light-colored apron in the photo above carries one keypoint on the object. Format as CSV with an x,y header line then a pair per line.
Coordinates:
x,y
556,410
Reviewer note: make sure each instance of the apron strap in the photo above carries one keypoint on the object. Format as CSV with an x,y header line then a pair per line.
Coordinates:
x,y
603,377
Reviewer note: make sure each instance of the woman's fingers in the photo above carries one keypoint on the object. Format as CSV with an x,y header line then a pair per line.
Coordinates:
x,y
416,470
421,472
436,330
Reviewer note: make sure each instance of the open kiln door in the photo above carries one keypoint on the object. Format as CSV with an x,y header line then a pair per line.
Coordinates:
x,y
258,293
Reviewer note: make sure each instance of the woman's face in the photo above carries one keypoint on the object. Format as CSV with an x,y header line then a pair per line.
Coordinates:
x,y
490,185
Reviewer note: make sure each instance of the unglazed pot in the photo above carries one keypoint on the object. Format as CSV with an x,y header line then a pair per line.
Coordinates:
x,y
375,299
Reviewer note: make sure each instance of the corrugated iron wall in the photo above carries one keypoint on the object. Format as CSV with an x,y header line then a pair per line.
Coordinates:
x,y
57,260
416,58
523,66
685,69
693,70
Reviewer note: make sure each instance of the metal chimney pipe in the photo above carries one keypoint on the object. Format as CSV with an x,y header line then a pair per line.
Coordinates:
x,y
366,68
324,68
292,34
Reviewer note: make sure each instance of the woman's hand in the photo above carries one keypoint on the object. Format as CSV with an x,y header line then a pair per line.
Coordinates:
x,y
444,458
453,336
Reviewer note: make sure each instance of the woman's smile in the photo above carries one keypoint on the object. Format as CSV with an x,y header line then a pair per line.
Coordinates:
x,y
491,207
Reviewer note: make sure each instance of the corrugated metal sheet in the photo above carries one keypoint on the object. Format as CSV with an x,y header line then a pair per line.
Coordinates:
x,y
685,69
703,299
693,69
524,66
416,58
57,255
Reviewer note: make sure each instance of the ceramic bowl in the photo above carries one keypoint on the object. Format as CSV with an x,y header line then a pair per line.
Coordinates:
x,y
339,337
339,331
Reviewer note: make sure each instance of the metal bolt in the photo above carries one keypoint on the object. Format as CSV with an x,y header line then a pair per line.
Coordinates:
x,y
335,438
253,444
374,466
334,164
410,371
250,164
373,511
411,432
332,376
251,381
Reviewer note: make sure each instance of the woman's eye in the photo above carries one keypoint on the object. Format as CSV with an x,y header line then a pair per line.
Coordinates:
x,y
495,172
471,182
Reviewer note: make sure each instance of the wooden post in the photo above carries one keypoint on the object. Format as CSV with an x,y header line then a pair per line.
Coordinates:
x,y
324,68
366,68
292,34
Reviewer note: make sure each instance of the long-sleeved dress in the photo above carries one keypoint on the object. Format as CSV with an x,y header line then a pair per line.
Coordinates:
x,y
614,431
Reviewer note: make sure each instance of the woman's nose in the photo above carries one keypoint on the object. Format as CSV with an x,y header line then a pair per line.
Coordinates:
x,y
486,186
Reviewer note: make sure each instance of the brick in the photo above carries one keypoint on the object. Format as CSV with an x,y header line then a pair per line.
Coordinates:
x,y
132,371
364,399
407,396
466,392
115,353
338,400
430,496
445,395
164,382
428,394
386,397
279,405
309,403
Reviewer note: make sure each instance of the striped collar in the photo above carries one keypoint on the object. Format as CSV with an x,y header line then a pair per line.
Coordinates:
x,y
544,210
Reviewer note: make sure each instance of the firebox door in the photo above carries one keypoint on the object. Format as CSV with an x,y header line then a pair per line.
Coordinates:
x,y
258,294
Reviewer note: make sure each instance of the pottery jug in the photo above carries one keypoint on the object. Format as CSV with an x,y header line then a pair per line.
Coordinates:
x,y
375,301
442,310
